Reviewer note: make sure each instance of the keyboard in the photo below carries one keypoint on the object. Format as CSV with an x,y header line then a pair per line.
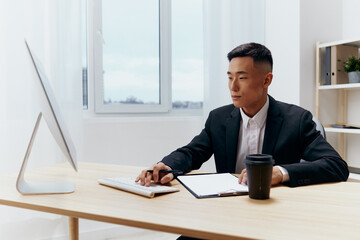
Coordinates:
x,y
129,185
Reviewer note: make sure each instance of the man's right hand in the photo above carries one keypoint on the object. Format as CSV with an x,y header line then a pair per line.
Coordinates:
x,y
145,177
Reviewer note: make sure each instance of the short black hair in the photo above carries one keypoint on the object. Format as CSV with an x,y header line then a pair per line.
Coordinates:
x,y
258,52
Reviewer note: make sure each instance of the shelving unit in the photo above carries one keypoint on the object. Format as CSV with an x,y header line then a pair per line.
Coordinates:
x,y
342,130
352,86
338,103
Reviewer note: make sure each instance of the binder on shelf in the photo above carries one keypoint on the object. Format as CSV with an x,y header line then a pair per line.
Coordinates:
x,y
327,65
339,53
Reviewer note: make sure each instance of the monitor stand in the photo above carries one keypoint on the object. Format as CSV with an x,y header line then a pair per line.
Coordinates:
x,y
39,187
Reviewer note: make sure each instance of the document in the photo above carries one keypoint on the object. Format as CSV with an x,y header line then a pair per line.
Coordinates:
x,y
129,185
213,185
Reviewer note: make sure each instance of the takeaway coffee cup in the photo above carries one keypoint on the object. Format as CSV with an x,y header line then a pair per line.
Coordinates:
x,y
259,173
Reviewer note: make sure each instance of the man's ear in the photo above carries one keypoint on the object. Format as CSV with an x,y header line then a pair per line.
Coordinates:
x,y
268,79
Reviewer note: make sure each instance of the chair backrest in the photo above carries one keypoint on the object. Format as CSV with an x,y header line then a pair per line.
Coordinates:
x,y
319,127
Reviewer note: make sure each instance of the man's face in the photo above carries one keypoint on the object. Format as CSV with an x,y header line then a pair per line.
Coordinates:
x,y
248,84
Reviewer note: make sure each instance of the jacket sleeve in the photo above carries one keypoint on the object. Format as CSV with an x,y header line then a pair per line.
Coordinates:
x,y
322,163
194,154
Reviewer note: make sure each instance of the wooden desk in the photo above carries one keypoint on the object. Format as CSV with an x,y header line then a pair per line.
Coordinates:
x,y
328,211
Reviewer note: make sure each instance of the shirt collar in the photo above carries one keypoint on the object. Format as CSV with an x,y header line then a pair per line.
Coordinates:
x,y
260,116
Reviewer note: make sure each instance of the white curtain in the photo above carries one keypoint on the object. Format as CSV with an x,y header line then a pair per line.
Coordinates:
x,y
227,24
53,29
55,34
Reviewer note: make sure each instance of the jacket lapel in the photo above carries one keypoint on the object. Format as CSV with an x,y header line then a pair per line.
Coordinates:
x,y
232,134
273,126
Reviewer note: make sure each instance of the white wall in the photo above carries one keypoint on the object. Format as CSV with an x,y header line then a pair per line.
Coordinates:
x,y
283,39
350,10
316,25
292,30
136,141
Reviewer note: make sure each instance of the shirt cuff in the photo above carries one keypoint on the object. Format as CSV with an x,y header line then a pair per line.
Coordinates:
x,y
284,173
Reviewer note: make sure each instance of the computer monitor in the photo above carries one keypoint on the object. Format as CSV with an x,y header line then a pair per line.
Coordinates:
x,y
50,111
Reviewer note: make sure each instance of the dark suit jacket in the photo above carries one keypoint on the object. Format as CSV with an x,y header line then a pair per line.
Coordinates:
x,y
290,135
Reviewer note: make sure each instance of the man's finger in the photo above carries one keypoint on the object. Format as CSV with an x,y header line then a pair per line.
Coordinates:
x,y
241,177
148,179
167,178
155,174
244,180
141,177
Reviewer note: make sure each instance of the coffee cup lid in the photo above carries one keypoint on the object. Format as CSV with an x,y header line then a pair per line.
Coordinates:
x,y
259,159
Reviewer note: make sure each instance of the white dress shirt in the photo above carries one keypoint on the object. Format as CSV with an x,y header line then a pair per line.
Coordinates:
x,y
251,135
251,138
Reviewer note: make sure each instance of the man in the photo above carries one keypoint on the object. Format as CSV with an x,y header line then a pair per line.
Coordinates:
x,y
256,123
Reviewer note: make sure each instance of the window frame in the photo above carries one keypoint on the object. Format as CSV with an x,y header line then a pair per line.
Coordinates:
x,y
96,62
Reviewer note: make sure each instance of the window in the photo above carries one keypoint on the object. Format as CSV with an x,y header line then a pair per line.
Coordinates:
x,y
84,55
147,55
187,54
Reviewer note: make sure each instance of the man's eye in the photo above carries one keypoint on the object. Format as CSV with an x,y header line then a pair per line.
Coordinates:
x,y
243,78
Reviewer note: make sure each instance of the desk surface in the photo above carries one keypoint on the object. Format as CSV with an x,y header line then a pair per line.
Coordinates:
x,y
327,211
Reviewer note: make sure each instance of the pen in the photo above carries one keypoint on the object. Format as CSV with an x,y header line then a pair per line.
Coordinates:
x,y
166,171
228,194
175,172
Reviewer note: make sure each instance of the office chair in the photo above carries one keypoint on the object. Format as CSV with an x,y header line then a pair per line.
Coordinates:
x,y
320,128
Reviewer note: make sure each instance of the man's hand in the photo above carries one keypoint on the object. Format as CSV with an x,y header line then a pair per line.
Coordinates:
x,y
277,176
146,177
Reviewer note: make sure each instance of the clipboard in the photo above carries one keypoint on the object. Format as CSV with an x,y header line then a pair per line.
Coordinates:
x,y
210,185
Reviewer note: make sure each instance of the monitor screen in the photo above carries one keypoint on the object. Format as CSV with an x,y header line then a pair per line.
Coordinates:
x,y
51,111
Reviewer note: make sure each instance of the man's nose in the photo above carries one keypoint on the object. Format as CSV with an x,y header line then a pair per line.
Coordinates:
x,y
234,86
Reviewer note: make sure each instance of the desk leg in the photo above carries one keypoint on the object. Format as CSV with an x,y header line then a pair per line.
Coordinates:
x,y
74,228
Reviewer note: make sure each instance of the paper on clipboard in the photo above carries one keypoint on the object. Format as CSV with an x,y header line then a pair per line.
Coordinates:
x,y
213,185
